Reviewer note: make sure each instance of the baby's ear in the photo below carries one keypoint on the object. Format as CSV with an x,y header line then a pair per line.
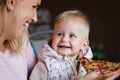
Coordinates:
x,y
10,4
85,45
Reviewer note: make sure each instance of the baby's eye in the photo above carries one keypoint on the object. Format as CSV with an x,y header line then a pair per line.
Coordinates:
x,y
59,34
72,36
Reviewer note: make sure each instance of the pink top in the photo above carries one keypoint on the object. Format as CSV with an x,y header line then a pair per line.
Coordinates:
x,y
16,66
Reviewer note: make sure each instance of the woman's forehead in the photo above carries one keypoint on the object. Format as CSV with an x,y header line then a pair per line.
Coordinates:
x,y
36,1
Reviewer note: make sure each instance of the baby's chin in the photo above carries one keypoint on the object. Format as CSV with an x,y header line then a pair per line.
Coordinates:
x,y
64,53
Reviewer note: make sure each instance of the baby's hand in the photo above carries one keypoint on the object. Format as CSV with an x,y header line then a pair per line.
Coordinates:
x,y
96,75
91,76
110,76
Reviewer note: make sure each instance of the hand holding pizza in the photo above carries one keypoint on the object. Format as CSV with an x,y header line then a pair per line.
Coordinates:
x,y
96,76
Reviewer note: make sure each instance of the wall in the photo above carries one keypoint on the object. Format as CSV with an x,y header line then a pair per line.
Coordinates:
x,y
104,16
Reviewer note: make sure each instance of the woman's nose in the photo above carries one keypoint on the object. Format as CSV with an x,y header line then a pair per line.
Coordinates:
x,y
34,18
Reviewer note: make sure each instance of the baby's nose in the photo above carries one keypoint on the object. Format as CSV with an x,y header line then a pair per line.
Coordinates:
x,y
65,38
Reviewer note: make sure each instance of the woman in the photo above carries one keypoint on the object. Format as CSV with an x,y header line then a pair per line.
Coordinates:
x,y
16,54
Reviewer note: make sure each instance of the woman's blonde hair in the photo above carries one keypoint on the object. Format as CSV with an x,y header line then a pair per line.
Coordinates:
x,y
74,13
12,45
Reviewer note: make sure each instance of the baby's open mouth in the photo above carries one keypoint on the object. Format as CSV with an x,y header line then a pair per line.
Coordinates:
x,y
63,46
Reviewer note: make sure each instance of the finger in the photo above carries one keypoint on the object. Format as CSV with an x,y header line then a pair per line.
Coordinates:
x,y
91,76
113,77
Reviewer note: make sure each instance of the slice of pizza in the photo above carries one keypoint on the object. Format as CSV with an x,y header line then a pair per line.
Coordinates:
x,y
107,68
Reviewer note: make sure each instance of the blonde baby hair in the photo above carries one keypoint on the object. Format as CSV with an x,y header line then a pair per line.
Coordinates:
x,y
74,13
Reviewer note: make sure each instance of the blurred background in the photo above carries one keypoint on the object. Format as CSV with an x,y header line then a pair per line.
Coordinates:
x,y
104,16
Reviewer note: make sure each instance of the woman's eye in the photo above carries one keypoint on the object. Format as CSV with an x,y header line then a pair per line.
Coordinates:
x,y
35,7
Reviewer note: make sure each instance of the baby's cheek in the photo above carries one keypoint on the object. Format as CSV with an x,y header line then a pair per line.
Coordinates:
x,y
54,46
